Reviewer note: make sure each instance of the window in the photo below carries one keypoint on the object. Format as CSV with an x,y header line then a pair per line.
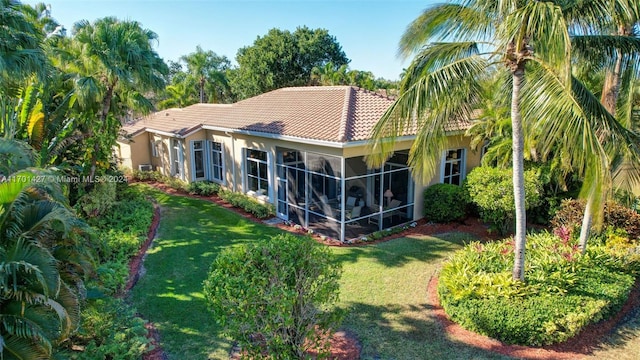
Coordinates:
x,y
176,163
217,172
256,165
453,167
198,154
154,149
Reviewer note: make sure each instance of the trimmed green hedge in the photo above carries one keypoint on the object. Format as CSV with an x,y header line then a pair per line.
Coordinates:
x,y
247,203
564,292
204,188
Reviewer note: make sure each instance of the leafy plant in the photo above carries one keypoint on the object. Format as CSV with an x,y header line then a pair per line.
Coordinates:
x,y
491,189
617,216
275,296
247,203
110,330
564,292
204,188
444,203
97,201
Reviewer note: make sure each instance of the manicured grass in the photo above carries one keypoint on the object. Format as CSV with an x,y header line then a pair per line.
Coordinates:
x,y
191,234
383,288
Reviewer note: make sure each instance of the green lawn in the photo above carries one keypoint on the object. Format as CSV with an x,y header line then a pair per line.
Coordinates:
x,y
383,288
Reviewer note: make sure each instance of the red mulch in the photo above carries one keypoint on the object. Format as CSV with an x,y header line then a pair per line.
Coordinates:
x,y
345,346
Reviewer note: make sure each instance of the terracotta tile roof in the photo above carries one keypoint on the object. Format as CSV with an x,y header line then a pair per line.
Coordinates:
x,y
329,113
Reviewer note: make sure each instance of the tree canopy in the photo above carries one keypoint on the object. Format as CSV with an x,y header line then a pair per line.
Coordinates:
x,y
282,58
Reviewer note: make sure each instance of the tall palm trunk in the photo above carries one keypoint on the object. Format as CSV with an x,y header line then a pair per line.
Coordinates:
x,y
610,93
202,81
586,223
104,113
518,173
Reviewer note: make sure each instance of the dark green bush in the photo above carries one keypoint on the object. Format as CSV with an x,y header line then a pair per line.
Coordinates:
x,y
444,203
564,292
617,216
247,203
284,289
110,330
491,190
204,188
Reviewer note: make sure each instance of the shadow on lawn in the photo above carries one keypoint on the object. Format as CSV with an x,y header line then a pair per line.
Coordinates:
x,y
398,252
405,332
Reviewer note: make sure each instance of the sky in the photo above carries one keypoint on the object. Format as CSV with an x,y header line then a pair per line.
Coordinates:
x,y
369,31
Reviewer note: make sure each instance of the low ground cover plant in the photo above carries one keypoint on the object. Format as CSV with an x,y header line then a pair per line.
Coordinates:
x,y
563,293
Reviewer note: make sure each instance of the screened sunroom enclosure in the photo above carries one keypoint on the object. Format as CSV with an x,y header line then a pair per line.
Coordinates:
x,y
341,198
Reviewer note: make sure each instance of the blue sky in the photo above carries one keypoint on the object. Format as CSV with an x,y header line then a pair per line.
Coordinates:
x,y
368,31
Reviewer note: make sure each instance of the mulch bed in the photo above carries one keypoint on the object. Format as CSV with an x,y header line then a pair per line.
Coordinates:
x,y
345,346
579,346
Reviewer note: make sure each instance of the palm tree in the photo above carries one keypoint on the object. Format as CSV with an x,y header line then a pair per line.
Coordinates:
x,y
114,66
208,69
612,46
38,309
528,41
21,52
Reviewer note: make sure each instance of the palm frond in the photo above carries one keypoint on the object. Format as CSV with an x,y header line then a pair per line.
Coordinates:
x,y
602,50
425,107
446,22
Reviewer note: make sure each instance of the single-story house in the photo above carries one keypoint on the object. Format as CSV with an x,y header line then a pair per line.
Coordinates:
x,y
301,149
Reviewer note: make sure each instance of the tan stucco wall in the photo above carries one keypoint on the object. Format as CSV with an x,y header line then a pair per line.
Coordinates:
x,y
135,151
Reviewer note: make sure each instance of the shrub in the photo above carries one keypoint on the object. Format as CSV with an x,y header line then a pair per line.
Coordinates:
x,y
170,181
98,200
564,291
247,203
491,189
444,203
110,330
571,212
204,188
275,295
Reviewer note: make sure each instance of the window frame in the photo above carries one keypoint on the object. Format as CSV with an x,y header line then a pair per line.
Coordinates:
x,y
213,153
461,160
259,163
203,149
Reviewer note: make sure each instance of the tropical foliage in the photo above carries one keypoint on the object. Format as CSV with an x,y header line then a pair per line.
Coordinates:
x,y
564,291
205,80
44,257
458,46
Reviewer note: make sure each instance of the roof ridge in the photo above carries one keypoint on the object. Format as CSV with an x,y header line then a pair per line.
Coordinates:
x,y
375,93
346,114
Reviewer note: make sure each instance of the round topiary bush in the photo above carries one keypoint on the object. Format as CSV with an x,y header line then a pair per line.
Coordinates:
x,y
444,203
491,190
